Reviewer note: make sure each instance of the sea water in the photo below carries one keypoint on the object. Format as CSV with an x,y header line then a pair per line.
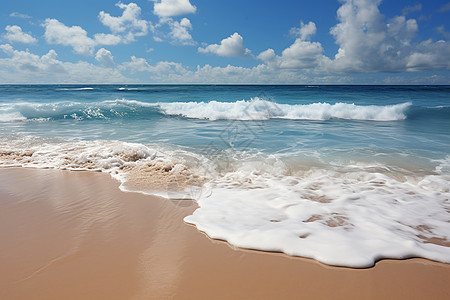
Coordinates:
x,y
346,175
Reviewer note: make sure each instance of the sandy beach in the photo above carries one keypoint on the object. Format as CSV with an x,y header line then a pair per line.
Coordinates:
x,y
75,235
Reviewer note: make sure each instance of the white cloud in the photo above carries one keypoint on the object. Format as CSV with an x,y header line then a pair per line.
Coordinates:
x,y
26,62
305,31
302,55
105,58
75,36
128,25
429,56
7,48
369,44
160,70
19,15
171,8
230,46
15,34
26,67
107,39
179,31
267,55
136,65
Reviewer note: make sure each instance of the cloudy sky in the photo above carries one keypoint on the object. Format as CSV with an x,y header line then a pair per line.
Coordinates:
x,y
233,41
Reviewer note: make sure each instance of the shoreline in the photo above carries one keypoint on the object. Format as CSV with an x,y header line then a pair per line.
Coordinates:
x,y
75,235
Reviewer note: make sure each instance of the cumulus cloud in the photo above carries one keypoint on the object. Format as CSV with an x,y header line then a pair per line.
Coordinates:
x,y
301,55
26,62
136,65
367,43
171,8
230,46
107,39
15,34
158,71
305,31
105,58
168,27
176,31
179,31
430,56
74,36
128,25
26,67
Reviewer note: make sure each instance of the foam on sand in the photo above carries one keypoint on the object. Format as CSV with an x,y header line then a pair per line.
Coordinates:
x,y
339,213
136,166
344,216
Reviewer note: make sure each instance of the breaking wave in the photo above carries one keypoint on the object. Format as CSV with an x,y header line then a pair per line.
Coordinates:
x,y
258,109
255,109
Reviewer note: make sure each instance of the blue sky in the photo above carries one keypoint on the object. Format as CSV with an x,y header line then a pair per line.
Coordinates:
x,y
205,41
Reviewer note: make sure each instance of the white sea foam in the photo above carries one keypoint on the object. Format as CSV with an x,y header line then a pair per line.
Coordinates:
x,y
11,116
340,213
259,109
76,89
334,215
136,166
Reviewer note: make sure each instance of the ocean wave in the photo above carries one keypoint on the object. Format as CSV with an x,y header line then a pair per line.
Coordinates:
x,y
259,109
255,109
11,116
120,109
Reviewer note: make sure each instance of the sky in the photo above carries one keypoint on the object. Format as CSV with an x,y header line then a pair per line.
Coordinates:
x,y
225,42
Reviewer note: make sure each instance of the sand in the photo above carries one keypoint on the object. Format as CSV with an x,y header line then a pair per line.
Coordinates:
x,y
75,235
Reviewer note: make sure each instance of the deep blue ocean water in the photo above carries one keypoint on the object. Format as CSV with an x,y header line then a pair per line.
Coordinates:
x,y
290,143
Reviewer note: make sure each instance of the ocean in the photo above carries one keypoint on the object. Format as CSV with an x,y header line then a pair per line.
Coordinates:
x,y
346,175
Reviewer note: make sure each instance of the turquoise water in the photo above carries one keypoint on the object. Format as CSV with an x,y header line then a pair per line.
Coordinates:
x,y
90,112
305,151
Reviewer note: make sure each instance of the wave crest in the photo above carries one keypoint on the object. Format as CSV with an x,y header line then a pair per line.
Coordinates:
x,y
259,109
256,109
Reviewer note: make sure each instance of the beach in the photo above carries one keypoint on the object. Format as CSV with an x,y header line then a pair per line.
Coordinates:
x,y
75,235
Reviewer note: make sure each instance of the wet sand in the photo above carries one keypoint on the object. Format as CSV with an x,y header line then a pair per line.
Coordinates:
x,y
75,235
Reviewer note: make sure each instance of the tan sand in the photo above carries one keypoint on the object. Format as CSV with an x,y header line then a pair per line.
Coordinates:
x,y
75,235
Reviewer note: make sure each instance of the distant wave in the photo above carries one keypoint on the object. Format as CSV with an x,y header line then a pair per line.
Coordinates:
x,y
76,89
258,109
